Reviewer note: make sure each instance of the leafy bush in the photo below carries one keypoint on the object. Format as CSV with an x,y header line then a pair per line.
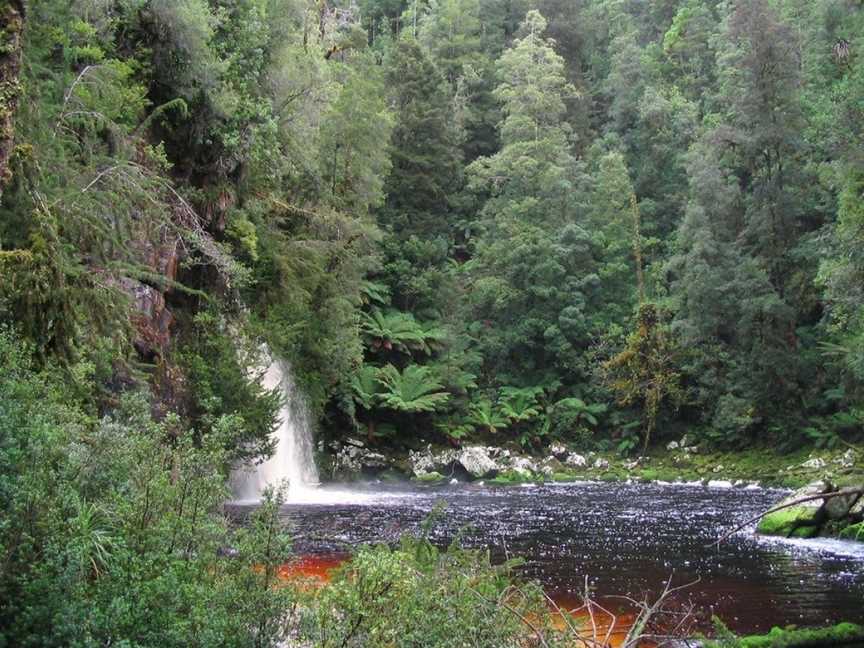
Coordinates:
x,y
416,595
223,371
110,531
573,417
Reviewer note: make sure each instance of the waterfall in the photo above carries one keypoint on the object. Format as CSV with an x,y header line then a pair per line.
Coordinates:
x,y
293,459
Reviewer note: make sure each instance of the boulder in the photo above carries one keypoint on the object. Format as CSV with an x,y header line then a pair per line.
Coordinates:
x,y
838,508
719,468
351,461
477,462
427,461
559,451
430,478
421,462
800,520
523,465
847,459
720,483
813,464
857,510
373,462
551,466
672,445
575,460
601,464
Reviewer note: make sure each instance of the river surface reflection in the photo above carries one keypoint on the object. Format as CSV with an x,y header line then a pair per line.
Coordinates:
x,y
626,539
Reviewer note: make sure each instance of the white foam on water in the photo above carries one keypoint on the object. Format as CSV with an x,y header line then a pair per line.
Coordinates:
x,y
825,546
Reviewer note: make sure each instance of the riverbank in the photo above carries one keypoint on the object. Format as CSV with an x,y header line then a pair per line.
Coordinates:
x,y
842,634
680,461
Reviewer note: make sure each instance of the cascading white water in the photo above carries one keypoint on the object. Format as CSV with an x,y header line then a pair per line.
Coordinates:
x,y
293,461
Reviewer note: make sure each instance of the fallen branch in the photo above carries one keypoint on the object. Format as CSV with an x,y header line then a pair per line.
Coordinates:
x,y
647,612
525,621
801,500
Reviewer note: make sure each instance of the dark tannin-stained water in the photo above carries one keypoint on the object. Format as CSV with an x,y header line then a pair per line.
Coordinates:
x,y
626,538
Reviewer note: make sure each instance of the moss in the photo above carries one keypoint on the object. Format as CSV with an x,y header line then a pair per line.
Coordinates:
x,y
852,479
649,474
788,521
430,478
510,477
843,634
563,477
805,532
853,532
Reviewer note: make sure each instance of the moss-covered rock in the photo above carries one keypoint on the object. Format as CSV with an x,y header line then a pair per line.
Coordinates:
x,y
430,478
843,634
801,521
804,532
511,477
786,522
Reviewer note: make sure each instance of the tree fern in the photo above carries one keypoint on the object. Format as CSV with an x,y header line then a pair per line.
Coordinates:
x,y
413,390
485,415
519,404
365,387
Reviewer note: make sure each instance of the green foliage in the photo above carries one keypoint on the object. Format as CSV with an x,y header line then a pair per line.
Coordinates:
x,y
486,416
417,594
224,379
389,330
444,215
519,405
574,418
109,531
645,371
365,386
838,635
413,390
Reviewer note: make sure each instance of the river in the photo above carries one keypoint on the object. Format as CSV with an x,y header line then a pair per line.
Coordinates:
x,y
627,539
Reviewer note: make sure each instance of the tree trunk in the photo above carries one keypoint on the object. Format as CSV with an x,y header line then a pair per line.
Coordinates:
x,y
12,20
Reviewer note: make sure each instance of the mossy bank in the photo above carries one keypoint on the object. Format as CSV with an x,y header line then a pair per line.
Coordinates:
x,y
679,462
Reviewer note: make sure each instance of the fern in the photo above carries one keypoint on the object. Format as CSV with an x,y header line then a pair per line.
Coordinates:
x,y
413,390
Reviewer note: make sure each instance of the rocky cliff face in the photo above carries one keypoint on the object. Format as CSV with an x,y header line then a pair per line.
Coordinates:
x,y
160,254
11,29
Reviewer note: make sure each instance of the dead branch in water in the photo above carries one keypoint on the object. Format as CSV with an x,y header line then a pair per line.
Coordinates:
x,y
801,500
648,612
541,637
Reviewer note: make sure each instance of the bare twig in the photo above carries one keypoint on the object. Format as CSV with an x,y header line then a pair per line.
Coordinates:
x,y
537,632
